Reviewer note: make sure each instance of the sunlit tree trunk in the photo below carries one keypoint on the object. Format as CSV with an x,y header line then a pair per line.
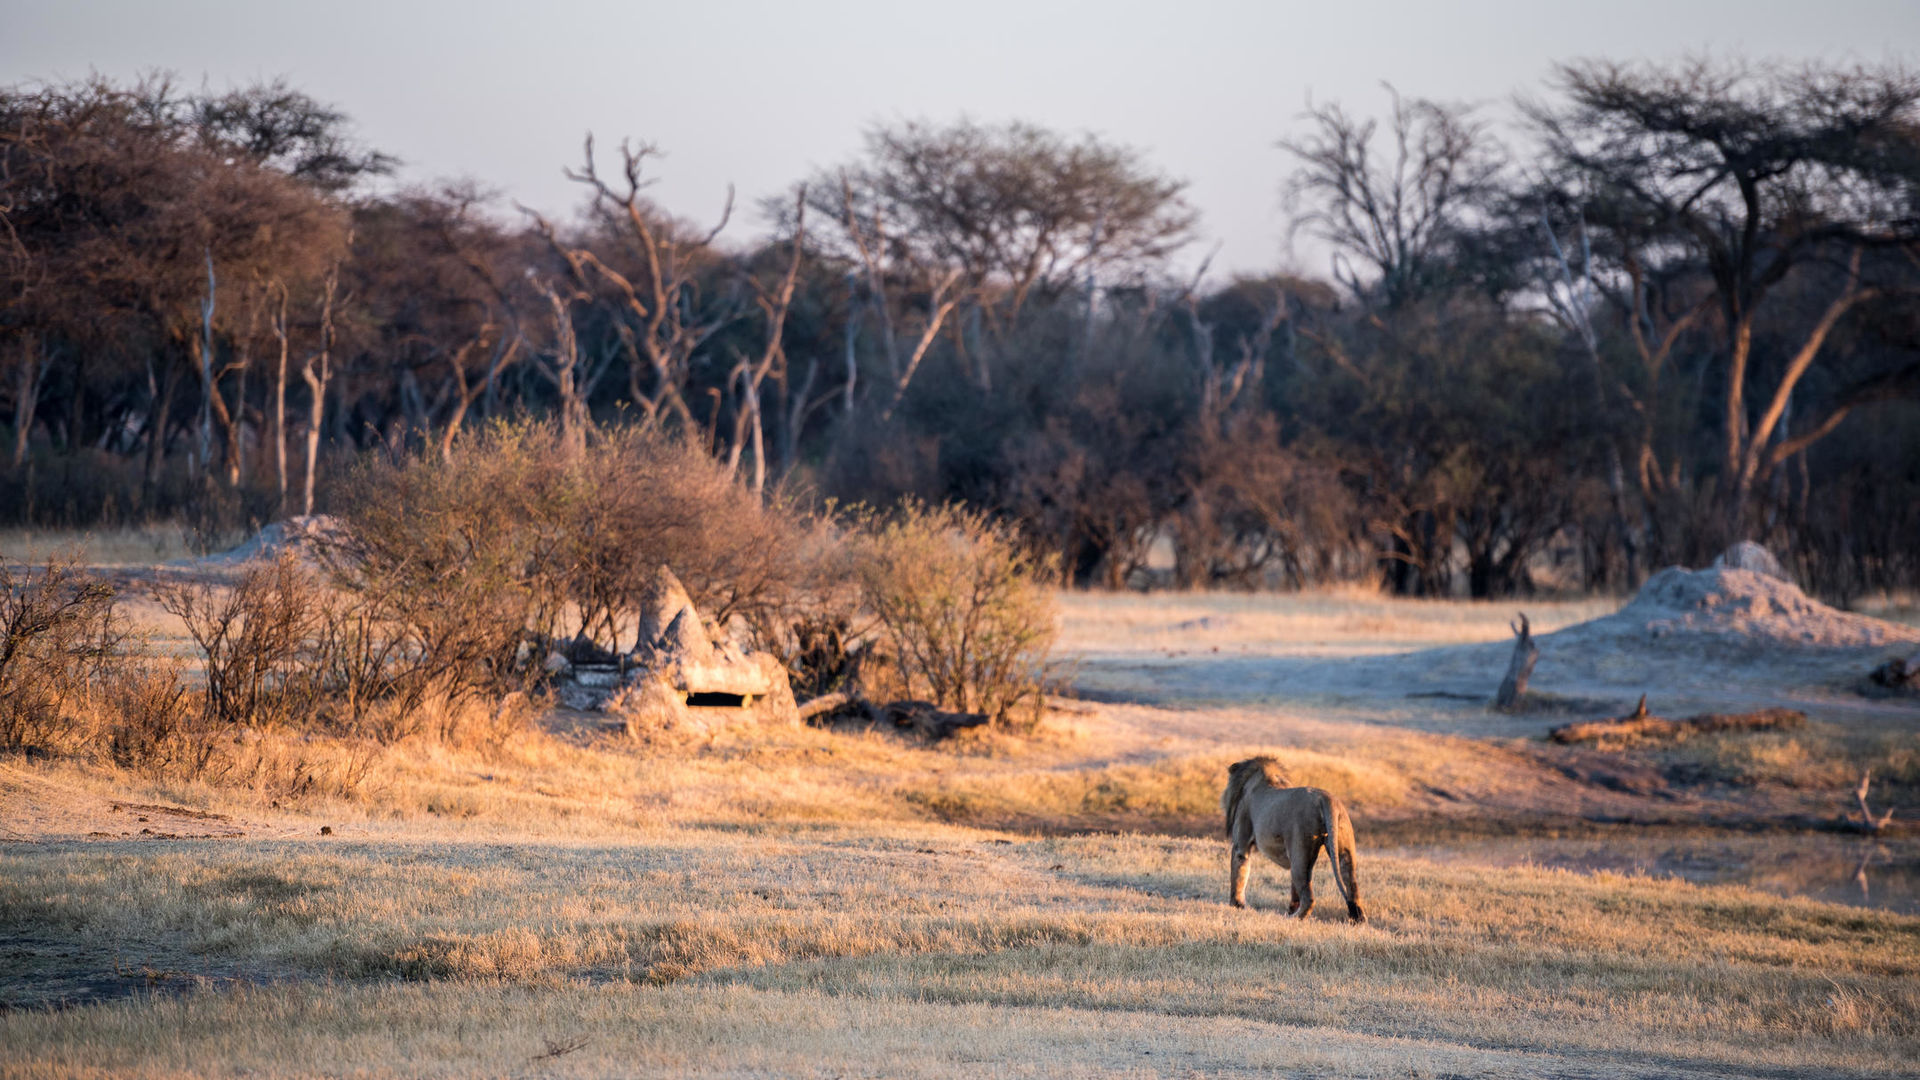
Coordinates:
x,y
317,372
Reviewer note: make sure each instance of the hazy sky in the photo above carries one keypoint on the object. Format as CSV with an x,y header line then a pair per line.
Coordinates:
x,y
761,93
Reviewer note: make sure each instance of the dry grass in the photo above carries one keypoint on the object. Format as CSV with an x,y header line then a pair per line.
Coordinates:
x,y
1901,606
136,546
655,945
1824,757
1323,621
1177,795
805,902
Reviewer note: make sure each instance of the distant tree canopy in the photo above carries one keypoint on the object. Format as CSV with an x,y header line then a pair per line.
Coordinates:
x,y
1687,312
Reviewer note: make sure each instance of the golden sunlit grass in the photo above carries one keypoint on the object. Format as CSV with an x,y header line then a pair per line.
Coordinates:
x,y
654,944
1174,795
812,902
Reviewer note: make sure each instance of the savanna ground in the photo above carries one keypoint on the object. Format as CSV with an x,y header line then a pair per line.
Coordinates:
x,y
827,903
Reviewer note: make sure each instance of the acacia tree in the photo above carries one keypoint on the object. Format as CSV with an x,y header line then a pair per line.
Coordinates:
x,y
987,218
1761,174
166,218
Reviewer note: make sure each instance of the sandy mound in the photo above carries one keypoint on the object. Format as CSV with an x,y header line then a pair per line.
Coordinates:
x,y
311,537
1747,555
1745,606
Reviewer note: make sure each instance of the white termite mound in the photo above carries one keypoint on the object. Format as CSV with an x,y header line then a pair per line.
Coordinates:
x,y
682,682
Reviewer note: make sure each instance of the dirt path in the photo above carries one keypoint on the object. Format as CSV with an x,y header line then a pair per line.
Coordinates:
x,y
41,808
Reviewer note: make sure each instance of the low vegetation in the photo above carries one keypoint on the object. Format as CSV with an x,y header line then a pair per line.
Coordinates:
x,y
594,906
427,614
965,611
642,952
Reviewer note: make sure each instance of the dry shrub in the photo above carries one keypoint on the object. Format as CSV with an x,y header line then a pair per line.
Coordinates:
x,y
649,501
379,652
397,655
58,632
256,639
966,611
153,720
519,531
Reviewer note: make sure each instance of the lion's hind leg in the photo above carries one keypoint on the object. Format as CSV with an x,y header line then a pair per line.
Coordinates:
x,y
1241,863
1304,852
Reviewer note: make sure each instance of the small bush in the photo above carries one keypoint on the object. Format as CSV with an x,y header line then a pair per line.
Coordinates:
x,y
154,721
257,638
966,612
58,632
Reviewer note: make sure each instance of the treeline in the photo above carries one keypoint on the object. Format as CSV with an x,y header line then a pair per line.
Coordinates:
x,y
1680,307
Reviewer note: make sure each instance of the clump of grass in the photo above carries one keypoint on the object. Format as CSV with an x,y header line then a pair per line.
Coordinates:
x,y
1808,759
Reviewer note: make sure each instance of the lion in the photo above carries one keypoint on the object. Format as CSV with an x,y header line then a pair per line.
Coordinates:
x,y
1290,824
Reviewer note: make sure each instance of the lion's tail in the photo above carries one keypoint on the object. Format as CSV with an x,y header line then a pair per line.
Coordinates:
x,y
1339,832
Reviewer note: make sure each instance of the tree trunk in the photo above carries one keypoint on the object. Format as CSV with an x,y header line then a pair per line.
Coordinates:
x,y
316,380
217,417
160,417
204,346
797,409
758,434
317,388
26,398
1519,668
280,406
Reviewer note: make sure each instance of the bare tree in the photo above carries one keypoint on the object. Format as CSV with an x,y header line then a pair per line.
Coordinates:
x,y
884,263
1399,214
316,370
750,373
561,365
661,293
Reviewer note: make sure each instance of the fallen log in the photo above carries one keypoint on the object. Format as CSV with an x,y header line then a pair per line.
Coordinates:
x,y
928,719
825,703
1643,727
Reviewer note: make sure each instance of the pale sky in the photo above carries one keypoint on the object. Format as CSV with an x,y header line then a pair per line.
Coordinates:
x,y
761,94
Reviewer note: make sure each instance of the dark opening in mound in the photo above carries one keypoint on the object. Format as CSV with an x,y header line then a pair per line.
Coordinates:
x,y
708,700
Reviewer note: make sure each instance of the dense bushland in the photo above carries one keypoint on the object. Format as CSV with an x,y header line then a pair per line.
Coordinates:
x,y
430,611
1684,313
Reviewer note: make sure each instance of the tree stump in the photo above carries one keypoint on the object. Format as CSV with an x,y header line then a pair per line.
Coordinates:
x,y
1900,674
1520,668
